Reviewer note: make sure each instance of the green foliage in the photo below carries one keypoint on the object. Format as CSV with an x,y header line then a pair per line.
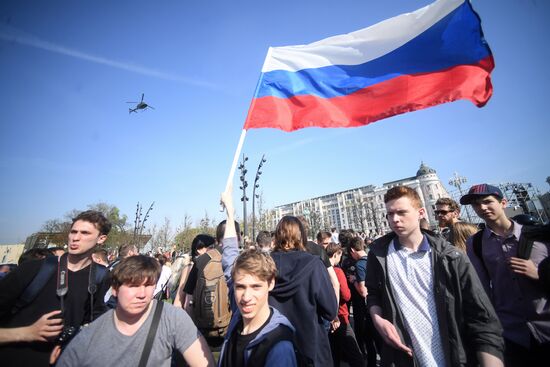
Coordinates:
x,y
188,232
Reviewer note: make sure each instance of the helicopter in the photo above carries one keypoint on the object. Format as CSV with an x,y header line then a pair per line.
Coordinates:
x,y
140,105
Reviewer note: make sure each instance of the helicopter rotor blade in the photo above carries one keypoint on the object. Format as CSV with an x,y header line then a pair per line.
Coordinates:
x,y
150,106
142,95
131,102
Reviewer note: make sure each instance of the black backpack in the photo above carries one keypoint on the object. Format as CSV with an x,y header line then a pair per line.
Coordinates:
x,y
47,270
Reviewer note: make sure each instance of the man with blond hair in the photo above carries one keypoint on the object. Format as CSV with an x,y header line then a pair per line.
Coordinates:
x,y
258,334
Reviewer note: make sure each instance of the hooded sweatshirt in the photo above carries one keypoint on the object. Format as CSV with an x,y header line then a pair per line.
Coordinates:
x,y
281,354
304,294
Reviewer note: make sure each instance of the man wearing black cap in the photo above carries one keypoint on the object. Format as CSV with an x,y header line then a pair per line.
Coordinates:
x,y
510,281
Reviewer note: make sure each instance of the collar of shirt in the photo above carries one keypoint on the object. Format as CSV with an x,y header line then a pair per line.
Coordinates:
x,y
424,245
516,231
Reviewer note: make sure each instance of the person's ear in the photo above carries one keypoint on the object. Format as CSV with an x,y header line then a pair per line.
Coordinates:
x,y
422,212
101,239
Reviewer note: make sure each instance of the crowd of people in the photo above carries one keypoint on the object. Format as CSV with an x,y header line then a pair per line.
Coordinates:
x,y
457,295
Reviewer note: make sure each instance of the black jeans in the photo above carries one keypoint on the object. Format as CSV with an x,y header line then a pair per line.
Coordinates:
x,y
343,345
365,332
516,355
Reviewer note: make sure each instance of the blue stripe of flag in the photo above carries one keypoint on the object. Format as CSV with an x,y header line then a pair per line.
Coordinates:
x,y
456,39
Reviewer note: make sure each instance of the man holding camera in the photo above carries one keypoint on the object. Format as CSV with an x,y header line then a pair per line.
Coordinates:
x,y
44,302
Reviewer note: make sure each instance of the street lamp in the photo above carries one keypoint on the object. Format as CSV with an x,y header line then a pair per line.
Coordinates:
x,y
254,196
457,182
243,187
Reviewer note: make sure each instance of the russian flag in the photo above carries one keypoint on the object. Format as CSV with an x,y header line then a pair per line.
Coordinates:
x,y
434,55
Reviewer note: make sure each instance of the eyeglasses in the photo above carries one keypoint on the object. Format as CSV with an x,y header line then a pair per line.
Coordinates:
x,y
442,212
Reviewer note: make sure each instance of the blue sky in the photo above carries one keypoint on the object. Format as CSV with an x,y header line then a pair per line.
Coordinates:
x,y
67,69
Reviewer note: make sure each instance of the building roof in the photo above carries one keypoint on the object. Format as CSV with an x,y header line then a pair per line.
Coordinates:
x,y
424,170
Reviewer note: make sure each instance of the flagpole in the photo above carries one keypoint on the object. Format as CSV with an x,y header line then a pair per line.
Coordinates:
x,y
235,159
243,134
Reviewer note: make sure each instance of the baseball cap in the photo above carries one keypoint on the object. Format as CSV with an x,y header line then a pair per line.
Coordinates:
x,y
480,190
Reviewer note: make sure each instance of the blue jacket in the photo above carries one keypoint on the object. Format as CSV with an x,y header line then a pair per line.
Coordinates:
x,y
281,354
303,293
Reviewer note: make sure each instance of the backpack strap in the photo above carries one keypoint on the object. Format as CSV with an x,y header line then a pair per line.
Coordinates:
x,y
259,353
95,277
530,234
151,335
525,245
214,254
47,270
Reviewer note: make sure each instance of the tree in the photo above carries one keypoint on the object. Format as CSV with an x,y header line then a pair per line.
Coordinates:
x,y
113,214
56,225
315,223
206,223
162,236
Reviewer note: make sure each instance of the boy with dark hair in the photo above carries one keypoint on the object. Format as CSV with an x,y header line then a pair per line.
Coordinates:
x,y
324,238
211,317
425,298
258,335
128,326
342,339
364,332
264,241
506,262
70,300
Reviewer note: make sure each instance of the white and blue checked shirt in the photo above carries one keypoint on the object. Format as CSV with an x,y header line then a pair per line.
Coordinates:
x,y
411,279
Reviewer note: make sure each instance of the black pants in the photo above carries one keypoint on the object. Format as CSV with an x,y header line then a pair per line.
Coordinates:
x,y
343,345
516,355
364,331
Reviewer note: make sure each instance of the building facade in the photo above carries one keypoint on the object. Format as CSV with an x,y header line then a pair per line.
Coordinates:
x,y
362,208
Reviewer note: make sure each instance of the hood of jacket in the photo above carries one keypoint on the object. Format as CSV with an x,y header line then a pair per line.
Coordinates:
x,y
293,270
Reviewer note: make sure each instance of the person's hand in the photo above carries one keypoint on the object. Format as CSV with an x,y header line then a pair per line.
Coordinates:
x,y
334,324
227,201
45,329
389,334
524,267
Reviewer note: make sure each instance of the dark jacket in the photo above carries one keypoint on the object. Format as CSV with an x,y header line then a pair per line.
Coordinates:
x,y
304,294
467,320
280,354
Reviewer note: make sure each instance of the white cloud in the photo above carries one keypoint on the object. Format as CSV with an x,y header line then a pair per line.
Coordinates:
x,y
11,34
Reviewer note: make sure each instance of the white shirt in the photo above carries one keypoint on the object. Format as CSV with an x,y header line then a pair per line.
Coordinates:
x,y
163,279
411,278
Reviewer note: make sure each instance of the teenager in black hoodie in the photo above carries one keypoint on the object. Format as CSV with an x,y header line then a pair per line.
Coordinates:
x,y
303,291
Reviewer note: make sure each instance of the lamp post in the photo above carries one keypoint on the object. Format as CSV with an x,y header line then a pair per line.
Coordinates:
x,y
254,196
243,187
457,182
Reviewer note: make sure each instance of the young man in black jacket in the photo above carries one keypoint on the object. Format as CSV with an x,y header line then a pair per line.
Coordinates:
x,y
30,330
424,296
